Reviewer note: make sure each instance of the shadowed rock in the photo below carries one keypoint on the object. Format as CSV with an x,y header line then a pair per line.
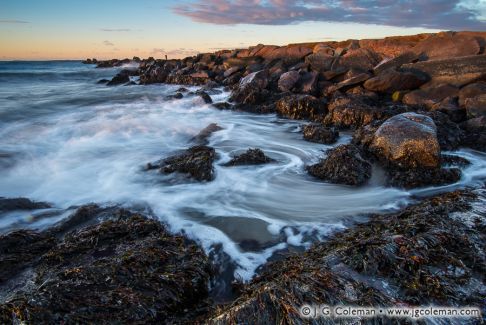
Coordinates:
x,y
430,96
343,165
288,80
11,204
122,77
302,107
250,157
320,134
476,106
391,80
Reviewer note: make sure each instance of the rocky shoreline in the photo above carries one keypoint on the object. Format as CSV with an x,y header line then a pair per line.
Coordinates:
x,y
406,100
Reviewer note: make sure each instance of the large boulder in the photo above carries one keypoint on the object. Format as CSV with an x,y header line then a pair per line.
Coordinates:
x,y
302,107
397,62
392,80
120,78
320,62
288,81
197,162
428,97
343,165
257,80
448,45
455,71
361,59
408,140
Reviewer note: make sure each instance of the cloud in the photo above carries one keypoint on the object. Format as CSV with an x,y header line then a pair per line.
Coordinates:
x,y
436,14
13,21
118,30
108,43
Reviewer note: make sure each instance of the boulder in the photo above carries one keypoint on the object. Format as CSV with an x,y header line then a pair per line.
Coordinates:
x,y
308,82
250,157
449,134
352,112
205,97
471,90
322,48
362,59
204,134
475,125
349,83
320,134
197,162
476,106
258,80
415,178
231,71
288,81
302,107
454,71
447,45
392,80
320,62
397,62
408,140
430,96
450,107
343,165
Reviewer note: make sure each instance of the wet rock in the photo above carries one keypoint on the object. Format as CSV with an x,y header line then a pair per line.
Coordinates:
x,y
12,204
175,96
258,80
415,178
414,252
128,270
476,106
205,97
122,77
222,105
352,112
288,81
408,140
471,90
302,107
205,133
197,162
103,81
430,96
475,125
391,81
455,71
449,133
320,134
450,107
250,157
343,165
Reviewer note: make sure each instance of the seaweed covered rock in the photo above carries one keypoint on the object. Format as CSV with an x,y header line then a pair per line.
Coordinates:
x,y
422,255
353,111
122,77
416,177
196,161
320,134
343,165
250,157
407,140
302,107
127,271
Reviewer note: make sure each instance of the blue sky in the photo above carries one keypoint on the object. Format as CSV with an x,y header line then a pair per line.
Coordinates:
x,y
74,29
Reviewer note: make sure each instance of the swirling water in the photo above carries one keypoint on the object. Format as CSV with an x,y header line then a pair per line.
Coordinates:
x,y
66,140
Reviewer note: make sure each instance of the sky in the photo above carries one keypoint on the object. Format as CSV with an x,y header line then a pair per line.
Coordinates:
x,y
75,29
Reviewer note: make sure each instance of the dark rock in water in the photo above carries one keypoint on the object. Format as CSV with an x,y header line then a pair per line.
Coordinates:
x,y
343,165
222,105
197,162
12,204
202,137
175,96
320,134
408,140
353,112
182,90
414,178
250,157
302,107
421,255
122,77
363,136
103,81
205,97
392,80
454,161
128,270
